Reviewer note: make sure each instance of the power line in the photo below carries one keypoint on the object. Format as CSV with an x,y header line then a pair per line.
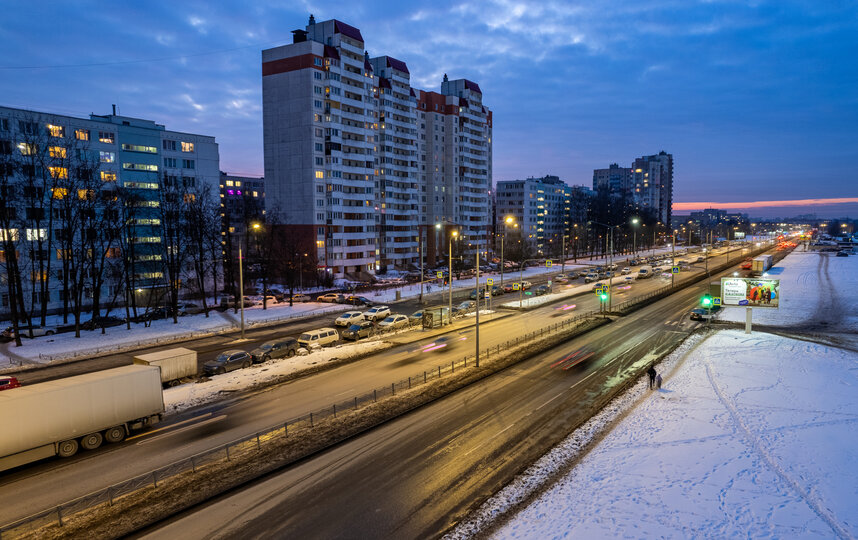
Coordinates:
x,y
131,62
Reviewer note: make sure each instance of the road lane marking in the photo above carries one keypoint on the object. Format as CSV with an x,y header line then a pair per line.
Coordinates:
x,y
186,428
547,402
171,426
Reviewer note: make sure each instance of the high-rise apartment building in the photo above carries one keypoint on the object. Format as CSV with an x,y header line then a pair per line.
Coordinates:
x,y
648,183
364,164
541,209
45,156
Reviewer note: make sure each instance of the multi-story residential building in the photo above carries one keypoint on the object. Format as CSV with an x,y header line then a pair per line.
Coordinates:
x,y
396,183
652,182
95,156
615,179
540,207
364,164
242,200
648,183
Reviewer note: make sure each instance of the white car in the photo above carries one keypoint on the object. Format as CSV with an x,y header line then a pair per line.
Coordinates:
x,y
376,313
393,321
349,318
626,271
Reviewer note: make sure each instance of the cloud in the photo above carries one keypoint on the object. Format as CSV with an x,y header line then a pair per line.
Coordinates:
x,y
198,23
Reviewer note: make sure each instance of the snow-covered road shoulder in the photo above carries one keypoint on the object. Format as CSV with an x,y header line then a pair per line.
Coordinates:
x,y
193,394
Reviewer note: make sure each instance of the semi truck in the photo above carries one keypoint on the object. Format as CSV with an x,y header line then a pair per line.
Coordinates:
x,y
175,364
760,264
57,418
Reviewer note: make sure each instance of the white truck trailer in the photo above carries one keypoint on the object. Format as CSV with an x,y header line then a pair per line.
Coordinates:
x,y
175,364
58,417
760,264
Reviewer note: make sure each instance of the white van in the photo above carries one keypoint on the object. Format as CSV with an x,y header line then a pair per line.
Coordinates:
x,y
321,337
644,273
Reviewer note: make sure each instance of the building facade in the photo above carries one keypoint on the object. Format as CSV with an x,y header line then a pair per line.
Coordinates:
x,y
541,207
648,183
61,174
351,158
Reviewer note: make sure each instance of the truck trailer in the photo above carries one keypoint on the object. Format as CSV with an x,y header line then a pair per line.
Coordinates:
x,y
760,264
58,417
175,364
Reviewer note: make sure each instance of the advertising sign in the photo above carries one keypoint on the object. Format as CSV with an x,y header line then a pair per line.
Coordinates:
x,y
750,292
738,235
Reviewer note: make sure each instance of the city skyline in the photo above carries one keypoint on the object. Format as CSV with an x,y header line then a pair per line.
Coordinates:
x,y
752,100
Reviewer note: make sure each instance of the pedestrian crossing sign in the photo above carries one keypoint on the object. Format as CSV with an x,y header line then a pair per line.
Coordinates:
x,y
439,274
490,282
600,291
675,269
548,264
516,286
716,301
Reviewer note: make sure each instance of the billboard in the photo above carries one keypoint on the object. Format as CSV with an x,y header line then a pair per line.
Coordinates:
x,y
750,292
738,235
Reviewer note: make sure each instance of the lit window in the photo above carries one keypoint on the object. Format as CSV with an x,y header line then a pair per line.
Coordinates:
x,y
230,183
107,176
140,185
59,172
320,174
237,183
189,197
86,194
187,147
139,167
56,131
9,234
255,194
105,137
139,148
60,193
107,157
36,234
81,134
57,152
27,149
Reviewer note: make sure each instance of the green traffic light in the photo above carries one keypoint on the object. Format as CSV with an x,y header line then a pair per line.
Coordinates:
x,y
603,296
706,301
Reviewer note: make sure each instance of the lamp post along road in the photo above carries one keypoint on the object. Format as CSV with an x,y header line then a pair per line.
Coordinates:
x,y
477,323
673,260
241,286
420,250
453,234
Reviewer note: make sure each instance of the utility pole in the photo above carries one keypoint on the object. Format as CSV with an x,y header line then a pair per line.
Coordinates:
x,y
477,333
241,286
420,249
450,277
610,265
563,251
673,260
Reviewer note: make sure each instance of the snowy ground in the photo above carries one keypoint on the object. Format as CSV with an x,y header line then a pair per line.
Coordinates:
x,y
189,395
750,436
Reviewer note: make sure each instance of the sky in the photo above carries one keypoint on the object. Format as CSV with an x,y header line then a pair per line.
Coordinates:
x,y
756,100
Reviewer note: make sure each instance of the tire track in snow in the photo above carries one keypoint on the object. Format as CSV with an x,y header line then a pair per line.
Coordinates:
x,y
811,500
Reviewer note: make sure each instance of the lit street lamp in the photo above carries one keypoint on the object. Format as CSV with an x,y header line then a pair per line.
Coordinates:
x,y
453,235
635,221
509,220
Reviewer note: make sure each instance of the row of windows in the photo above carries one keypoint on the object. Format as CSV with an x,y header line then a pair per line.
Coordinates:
x,y
172,145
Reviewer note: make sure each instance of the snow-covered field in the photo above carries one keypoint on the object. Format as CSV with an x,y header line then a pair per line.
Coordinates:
x,y
192,394
751,436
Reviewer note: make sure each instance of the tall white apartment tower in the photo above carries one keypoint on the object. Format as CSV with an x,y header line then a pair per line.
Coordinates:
x,y
319,139
455,130
396,185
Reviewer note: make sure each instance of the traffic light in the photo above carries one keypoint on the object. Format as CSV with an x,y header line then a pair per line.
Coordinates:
x,y
706,301
603,296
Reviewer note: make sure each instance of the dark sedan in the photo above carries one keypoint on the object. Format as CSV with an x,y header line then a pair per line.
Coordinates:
x,y
227,361
102,322
275,349
359,330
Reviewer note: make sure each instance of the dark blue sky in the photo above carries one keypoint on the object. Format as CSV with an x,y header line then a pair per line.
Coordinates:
x,y
756,100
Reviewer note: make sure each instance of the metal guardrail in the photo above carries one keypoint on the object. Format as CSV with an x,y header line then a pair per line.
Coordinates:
x,y
239,447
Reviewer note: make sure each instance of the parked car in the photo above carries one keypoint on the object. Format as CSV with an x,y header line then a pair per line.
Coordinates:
x,y
282,348
189,308
102,322
508,288
229,302
560,278
358,300
349,318
268,300
626,271
497,290
321,337
377,313
477,293
393,322
526,285
228,361
9,382
330,297
9,333
301,297
465,307
842,254
583,273
702,314
416,317
359,330
542,289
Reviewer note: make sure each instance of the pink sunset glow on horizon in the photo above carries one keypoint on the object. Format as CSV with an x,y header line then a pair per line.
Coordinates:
x,y
694,206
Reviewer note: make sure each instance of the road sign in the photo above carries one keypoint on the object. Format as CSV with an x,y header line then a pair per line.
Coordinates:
x,y
675,269
548,264
516,286
440,275
490,282
488,295
716,301
599,291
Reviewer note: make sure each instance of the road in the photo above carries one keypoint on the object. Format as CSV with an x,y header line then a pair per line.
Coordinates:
x,y
414,477
51,482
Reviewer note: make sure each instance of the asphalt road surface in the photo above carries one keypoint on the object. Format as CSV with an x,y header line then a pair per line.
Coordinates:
x,y
417,475
45,484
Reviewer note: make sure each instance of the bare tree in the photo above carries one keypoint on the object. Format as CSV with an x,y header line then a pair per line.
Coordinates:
x,y
202,224
173,215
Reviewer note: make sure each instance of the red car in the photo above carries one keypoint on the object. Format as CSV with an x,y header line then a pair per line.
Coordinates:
x,y
9,382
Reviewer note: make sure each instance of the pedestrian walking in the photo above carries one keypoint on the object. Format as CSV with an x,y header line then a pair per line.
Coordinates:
x,y
651,373
658,381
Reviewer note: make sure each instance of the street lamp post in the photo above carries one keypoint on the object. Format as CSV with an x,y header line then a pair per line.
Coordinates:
x,y
635,222
241,286
610,257
673,260
477,322
453,235
507,221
